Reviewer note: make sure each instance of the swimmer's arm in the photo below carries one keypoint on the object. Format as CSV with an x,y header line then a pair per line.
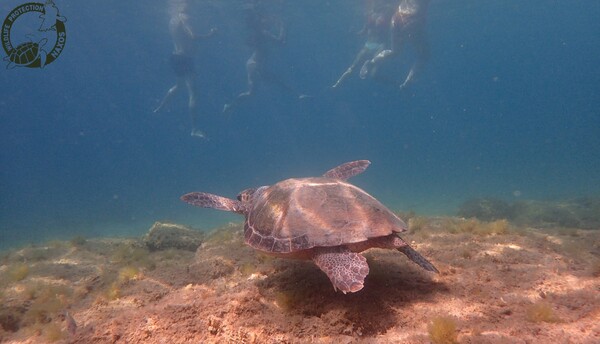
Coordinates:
x,y
362,30
270,35
208,35
186,27
282,34
279,37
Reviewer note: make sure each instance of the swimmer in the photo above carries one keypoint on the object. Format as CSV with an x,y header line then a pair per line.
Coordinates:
x,y
182,58
377,30
263,32
408,25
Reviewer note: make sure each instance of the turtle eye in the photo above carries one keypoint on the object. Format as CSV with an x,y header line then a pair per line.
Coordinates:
x,y
244,196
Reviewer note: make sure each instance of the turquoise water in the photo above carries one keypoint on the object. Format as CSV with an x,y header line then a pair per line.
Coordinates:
x,y
507,107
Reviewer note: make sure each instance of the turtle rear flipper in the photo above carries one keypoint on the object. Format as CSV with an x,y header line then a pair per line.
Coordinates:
x,y
417,258
206,200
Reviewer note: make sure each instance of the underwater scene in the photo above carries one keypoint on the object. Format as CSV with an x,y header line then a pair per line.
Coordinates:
x,y
278,171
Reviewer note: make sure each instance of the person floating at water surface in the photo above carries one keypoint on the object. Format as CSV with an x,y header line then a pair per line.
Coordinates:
x,y
408,26
376,28
264,31
182,58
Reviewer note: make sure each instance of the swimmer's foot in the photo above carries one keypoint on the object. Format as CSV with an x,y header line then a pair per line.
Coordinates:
x,y
408,80
226,108
344,76
365,69
199,134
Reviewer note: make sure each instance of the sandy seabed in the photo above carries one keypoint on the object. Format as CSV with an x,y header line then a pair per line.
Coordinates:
x,y
497,284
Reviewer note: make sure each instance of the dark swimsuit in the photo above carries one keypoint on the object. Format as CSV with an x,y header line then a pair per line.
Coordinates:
x,y
182,65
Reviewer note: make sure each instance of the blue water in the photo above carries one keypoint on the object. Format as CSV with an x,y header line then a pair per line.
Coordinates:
x,y
509,102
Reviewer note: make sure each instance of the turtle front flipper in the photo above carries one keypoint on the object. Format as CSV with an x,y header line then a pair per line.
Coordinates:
x,y
206,200
347,170
346,270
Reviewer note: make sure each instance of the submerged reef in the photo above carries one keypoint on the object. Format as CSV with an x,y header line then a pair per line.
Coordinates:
x,y
163,235
486,209
499,282
583,212
17,272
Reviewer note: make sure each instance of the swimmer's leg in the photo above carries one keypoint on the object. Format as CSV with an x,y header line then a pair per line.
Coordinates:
x,y
358,59
375,62
421,46
167,97
189,83
252,75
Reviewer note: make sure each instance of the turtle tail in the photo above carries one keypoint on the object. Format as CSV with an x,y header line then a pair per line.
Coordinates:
x,y
417,258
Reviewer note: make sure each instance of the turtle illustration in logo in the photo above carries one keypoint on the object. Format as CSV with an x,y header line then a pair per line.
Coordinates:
x,y
27,53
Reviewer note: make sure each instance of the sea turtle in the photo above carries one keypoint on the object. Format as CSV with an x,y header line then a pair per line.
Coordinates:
x,y
27,53
324,219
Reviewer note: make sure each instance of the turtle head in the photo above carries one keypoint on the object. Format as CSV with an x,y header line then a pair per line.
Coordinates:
x,y
246,195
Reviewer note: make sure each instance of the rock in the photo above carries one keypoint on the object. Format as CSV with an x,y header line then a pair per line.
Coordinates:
x,y
204,271
163,236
